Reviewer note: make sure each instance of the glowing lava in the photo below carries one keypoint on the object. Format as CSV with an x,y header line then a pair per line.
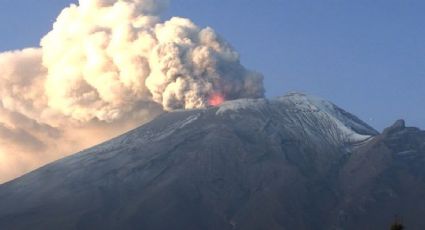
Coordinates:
x,y
216,99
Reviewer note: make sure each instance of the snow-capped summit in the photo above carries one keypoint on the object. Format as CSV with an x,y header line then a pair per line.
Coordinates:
x,y
301,100
306,114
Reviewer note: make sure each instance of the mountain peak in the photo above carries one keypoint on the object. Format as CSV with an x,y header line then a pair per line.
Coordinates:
x,y
306,113
316,104
397,126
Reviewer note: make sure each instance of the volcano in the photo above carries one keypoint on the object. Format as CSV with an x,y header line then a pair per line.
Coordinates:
x,y
294,162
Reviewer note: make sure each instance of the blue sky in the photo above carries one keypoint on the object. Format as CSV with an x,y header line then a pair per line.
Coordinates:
x,y
367,56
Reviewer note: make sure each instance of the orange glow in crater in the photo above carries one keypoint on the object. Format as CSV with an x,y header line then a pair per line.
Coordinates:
x,y
216,99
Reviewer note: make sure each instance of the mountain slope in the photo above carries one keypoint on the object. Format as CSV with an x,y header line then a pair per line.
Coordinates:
x,y
296,162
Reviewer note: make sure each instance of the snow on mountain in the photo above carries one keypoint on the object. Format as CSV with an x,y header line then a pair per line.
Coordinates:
x,y
307,113
213,168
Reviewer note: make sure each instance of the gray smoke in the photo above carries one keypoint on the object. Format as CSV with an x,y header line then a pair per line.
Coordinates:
x,y
109,62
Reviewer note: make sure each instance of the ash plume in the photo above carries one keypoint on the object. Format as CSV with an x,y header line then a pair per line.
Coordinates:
x,y
105,67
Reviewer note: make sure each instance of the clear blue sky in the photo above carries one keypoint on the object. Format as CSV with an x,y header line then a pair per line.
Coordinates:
x,y
367,56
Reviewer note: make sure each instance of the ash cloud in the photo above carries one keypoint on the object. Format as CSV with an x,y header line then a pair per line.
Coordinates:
x,y
105,67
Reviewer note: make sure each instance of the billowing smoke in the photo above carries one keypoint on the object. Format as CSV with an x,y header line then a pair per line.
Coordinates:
x,y
106,66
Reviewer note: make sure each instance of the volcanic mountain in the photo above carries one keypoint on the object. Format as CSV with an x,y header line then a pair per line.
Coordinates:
x,y
295,162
